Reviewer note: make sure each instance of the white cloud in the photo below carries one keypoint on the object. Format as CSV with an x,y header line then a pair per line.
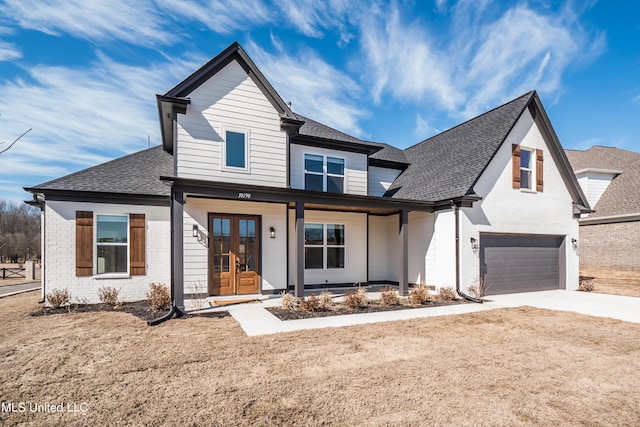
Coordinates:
x,y
221,16
314,87
523,50
134,22
402,60
486,56
313,18
81,117
423,129
9,52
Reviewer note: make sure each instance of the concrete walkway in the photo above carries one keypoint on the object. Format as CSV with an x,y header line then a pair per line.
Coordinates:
x,y
255,320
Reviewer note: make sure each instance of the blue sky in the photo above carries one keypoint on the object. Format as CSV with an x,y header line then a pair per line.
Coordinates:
x,y
83,74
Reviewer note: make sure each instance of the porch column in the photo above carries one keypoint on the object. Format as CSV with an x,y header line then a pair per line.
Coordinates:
x,y
299,277
404,252
177,249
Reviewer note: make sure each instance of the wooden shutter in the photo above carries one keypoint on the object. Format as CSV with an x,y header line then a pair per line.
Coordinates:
x,y
137,245
515,160
539,170
84,243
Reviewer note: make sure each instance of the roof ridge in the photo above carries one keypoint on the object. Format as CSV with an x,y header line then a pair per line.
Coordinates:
x,y
530,93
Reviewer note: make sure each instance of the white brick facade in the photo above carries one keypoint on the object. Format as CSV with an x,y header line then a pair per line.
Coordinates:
x,y
60,252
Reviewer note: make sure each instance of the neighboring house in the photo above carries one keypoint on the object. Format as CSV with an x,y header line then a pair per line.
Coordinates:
x,y
610,178
247,197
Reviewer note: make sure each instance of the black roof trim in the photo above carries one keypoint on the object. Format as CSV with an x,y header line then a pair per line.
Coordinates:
x,y
233,51
287,195
168,108
389,164
99,197
353,147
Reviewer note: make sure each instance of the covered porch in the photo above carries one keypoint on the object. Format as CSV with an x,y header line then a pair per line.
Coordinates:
x,y
299,207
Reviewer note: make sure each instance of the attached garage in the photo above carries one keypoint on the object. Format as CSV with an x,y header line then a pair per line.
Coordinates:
x,y
521,263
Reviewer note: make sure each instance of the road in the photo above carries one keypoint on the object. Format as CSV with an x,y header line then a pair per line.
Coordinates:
x,y
14,289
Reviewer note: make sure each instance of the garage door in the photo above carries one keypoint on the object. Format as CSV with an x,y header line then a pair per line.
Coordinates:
x,y
520,263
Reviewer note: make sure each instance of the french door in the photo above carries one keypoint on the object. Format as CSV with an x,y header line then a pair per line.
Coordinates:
x,y
234,254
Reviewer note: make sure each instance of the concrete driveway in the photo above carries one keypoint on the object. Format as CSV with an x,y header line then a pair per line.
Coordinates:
x,y
592,304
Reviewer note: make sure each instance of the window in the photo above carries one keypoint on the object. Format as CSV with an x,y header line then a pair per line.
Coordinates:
x,y
112,242
118,241
525,168
235,150
323,173
323,246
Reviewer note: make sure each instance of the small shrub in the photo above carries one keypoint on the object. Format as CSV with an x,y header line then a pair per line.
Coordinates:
x,y
109,295
389,296
479,288
288,301
446,294
326,300
158,296
58,297
586,284
310,303
419,295
356,299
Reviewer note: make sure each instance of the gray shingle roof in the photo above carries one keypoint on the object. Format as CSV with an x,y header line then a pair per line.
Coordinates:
x,y
136,173
442,167
622,196
315,129
319,130
390,153
449,164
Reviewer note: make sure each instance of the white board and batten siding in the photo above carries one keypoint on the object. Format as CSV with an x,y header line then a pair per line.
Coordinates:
x,y
355,167
380,179
231,101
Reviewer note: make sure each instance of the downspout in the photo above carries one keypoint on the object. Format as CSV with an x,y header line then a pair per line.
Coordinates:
x,y
173,310
457,225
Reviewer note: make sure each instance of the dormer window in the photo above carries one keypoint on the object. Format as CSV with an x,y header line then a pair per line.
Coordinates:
x,y
323,173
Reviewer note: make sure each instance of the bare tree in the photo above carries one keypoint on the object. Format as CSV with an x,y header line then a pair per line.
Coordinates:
x,y
14,141
19,231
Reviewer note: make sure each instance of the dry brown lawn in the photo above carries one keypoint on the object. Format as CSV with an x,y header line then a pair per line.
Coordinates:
x,y
625,283
501,367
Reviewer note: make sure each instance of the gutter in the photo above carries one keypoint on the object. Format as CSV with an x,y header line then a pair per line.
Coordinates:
x,y
173,310
457,225
610,219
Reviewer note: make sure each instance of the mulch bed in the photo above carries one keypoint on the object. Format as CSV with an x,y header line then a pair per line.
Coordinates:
x,y
339,309
140,309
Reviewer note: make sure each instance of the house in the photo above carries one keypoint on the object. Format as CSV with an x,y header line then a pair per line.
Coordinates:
x,y
247,197
610,236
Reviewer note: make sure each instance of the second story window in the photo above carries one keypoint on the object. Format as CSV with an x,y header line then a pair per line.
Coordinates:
x,y
323,173
525,168
235,155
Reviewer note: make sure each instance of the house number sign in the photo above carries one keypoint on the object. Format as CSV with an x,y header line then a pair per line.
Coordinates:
x,y
244,195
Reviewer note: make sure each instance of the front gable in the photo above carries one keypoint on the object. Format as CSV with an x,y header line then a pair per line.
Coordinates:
x,y
533,195
231,132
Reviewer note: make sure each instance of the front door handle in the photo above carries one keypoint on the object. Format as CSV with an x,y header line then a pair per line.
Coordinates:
x,y
237,266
